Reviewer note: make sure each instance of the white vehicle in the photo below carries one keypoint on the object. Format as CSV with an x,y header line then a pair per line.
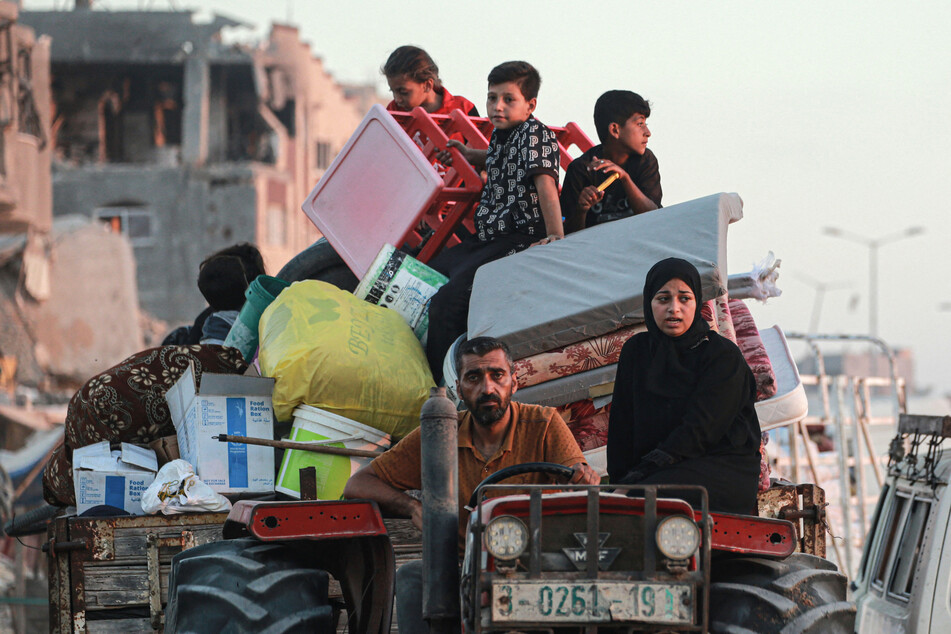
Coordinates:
x,y
904,579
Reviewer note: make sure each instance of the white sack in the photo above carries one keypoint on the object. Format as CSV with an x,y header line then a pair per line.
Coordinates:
x,y
760,283
176,489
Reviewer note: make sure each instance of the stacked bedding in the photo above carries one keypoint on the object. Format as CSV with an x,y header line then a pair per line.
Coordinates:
x,y
574,358
751,345
588,289
590,283
583,397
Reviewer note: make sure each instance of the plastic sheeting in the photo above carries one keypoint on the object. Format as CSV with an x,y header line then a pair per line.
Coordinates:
x,y
590,283
760,283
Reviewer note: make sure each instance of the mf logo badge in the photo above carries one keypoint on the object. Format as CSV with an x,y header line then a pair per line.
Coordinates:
x,y
579,556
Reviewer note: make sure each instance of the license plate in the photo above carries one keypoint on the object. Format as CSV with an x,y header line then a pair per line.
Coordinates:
x,y
592,602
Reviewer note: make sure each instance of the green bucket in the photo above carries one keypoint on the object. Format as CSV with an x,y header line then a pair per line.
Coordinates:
x,y
315,425
244,333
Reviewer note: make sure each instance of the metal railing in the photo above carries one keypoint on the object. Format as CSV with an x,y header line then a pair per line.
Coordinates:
x,y
847,413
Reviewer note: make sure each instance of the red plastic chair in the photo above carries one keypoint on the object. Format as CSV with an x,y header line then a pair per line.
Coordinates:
x,y
456,202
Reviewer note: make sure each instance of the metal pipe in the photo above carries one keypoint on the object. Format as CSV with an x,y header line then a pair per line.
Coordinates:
x,y
439,452
861,415
844,474
303,446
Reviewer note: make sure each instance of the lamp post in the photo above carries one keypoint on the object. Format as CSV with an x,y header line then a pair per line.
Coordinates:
x,y
873,246
820,288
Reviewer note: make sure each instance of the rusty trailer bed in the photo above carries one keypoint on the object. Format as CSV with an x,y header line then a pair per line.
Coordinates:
x,y
110,574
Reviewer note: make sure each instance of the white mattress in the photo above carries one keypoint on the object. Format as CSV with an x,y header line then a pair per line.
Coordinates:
x,y
790,403
566,389
590,283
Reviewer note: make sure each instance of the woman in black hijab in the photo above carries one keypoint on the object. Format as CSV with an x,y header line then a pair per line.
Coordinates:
x,y
682,411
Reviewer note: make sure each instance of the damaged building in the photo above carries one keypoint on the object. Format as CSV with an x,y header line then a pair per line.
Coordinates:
x,y
186,144
51,308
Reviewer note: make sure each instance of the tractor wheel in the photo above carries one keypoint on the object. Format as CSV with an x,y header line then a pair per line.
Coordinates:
x,y
802,594
319,261
244,585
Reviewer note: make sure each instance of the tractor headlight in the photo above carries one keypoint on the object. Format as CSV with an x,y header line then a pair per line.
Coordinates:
x,y
506,537
678,537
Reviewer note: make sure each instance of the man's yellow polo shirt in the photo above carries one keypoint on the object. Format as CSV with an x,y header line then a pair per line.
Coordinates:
x,y
537,434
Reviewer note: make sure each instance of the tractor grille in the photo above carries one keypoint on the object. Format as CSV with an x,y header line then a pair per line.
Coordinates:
x,y
623,531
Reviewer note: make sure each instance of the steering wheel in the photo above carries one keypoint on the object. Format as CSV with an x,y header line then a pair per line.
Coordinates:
x,y
550,468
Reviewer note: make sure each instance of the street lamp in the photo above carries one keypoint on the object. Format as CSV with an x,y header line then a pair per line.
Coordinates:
x,y
820,288
873,245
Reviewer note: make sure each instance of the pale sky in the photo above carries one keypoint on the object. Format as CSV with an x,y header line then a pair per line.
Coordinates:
x,y
816,113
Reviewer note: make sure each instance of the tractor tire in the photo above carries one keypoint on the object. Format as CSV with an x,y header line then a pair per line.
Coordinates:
x,y
244,585
802,594
319,261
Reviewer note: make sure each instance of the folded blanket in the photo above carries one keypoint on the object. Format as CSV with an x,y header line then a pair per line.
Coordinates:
x,y
587,423
764,468
716,312
751,345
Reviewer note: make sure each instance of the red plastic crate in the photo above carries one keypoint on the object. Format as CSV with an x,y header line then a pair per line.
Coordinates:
x,y
384,186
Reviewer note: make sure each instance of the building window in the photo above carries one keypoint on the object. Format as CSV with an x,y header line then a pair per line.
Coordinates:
x,y
323,155
137,223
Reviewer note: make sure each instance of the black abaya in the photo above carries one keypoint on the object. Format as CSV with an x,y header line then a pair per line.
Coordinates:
x,y
682,411
712,433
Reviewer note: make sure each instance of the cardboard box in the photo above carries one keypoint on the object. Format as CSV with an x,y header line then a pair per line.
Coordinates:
x,y
166,449
404,284
225,404
114,477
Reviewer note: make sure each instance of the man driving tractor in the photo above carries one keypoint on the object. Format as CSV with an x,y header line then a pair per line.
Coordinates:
x,y
494,432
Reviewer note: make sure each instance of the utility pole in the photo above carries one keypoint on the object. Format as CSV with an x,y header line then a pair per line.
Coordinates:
x,y
820,288
873,246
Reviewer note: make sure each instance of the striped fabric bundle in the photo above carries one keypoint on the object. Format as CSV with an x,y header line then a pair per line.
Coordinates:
x,y
751,345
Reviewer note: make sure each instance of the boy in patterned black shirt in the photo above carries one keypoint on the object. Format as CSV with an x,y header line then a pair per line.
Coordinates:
x,y
519,206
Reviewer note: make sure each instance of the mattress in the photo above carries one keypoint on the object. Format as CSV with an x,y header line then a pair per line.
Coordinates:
x,y
790,404
590,283
605,349
574,358
568,389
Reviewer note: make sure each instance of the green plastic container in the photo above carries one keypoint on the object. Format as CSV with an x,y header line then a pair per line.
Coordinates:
x,y
243,335
316,425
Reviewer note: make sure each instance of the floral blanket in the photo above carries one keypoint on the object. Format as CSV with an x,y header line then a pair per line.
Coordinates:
x,y
605,350
126,403
588,424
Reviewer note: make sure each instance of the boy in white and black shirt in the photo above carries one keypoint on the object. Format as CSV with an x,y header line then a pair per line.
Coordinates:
x,y
510,199
519,206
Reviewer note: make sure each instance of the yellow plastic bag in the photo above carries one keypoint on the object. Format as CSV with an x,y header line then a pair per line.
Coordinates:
x,y
326,348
